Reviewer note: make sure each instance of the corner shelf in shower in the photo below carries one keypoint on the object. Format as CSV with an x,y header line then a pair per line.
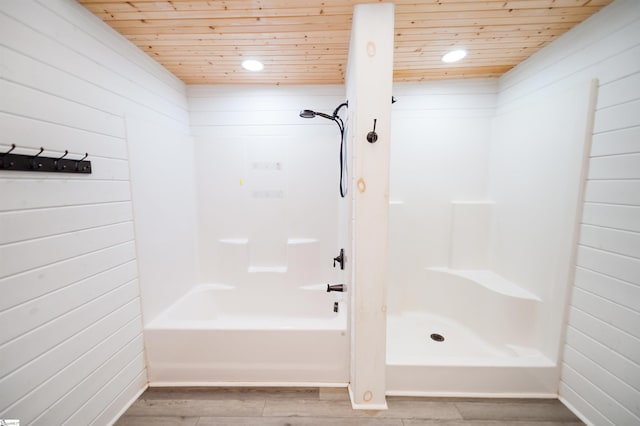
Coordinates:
x,y
238,257
267,269
322,287
299,241
290,241
234,241
491,281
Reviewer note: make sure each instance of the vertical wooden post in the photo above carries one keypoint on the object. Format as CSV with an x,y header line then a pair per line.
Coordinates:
x,y
369,84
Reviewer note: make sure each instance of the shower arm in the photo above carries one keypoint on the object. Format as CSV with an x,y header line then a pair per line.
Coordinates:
x,y
335,117
335,112
307,113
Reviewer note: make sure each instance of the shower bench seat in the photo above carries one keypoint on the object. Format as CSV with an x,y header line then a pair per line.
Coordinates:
x,y
491,281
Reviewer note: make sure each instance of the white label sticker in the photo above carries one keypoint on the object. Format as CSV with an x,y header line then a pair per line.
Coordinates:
x,y
275,166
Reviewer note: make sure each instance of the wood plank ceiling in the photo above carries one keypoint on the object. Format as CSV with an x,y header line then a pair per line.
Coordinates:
x,y
307,41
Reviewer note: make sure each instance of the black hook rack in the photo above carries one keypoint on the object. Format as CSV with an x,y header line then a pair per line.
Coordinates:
x,y
39,163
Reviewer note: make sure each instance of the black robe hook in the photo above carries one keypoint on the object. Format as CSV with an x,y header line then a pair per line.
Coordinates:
x,y
86,154
56,163
13,146
33,159
372,136
2,160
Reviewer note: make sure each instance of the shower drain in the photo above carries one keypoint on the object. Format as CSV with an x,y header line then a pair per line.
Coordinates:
x,y
437,337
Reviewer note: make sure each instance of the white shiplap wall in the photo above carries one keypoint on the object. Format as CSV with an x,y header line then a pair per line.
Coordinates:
x,y
71,348
601,368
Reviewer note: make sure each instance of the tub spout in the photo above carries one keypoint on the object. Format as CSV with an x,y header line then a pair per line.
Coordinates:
x,y
335,287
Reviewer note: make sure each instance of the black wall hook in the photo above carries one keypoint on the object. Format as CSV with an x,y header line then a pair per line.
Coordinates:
x,y
57,162
86,154
40,163
6,163
37,165
13,146
372,136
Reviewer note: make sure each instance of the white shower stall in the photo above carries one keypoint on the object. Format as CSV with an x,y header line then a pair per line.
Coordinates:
x,y
485,197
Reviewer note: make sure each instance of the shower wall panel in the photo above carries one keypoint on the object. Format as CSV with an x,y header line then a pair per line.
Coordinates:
x,y
267,183
439,153
537,156
164,210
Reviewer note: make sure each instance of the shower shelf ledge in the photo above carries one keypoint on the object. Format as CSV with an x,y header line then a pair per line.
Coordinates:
x,y
491,281
299,241
234,241
290,241
267,269
315,287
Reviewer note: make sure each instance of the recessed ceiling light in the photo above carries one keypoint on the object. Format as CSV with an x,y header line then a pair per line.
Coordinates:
x,y
454,56
252,65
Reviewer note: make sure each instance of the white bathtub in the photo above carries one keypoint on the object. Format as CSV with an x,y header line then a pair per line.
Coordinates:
x,y
220,335
490,339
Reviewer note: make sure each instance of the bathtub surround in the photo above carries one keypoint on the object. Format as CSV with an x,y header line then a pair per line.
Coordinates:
x,y
368,85
164,211
255,154
267,190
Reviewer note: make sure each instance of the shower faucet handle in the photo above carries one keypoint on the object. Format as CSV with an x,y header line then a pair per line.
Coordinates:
x,y
340,259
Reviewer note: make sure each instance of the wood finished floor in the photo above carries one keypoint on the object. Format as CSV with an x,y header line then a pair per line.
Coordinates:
x,y
328,406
